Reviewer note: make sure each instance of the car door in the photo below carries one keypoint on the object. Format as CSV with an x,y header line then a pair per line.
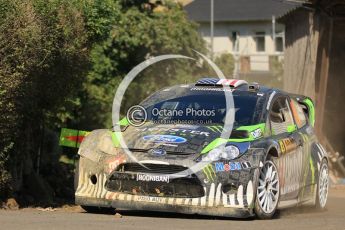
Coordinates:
x,y
306,135
290,144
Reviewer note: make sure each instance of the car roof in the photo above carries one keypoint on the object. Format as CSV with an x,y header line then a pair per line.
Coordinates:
x,y
262,91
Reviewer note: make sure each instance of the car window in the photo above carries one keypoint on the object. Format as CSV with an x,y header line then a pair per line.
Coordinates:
x,y
298,113
189,109
280,116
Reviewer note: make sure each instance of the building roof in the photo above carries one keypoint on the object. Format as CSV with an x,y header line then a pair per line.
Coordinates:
x,y
334,8
238,10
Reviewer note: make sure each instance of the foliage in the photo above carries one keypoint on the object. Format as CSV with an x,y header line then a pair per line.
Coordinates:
x,y
42,58
226,63
140,32
61,61
5,176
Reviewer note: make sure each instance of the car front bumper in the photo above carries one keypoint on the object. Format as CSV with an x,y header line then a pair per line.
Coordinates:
x,y
226,193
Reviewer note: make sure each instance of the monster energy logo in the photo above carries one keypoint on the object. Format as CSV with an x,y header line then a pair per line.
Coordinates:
x,y
215,128
209,172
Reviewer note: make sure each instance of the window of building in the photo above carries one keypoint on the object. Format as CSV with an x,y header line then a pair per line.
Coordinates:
x,y
279,44
260,41
235,41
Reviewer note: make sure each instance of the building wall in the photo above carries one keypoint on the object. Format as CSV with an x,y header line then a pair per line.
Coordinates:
x,y
334,119
301,49
314,66
224,41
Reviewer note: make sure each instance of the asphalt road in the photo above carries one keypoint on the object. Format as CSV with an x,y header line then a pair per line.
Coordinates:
x,y
75,218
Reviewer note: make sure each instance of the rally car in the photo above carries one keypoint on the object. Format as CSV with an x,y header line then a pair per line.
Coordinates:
x,y
271,160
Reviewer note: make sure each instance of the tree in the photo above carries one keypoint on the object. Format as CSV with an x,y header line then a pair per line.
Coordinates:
x,y
61,61
142,30
226,63
42,60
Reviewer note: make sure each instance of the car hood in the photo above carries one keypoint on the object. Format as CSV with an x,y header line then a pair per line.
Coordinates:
x,y
178,138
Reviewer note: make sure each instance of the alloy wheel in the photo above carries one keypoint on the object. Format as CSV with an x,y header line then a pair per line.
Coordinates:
x,y
268,188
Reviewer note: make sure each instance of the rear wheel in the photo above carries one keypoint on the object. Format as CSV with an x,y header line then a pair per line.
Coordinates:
x,y
322,186
267,194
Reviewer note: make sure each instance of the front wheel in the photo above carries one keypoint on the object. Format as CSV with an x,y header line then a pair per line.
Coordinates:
x,y
322,186
267,195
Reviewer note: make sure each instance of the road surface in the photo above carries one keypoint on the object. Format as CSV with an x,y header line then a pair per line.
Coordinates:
x,y
75,218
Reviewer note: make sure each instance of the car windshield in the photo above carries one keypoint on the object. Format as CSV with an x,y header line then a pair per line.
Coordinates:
x,y
199,108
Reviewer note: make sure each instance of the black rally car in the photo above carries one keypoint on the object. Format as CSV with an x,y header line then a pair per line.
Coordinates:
x,y
179,162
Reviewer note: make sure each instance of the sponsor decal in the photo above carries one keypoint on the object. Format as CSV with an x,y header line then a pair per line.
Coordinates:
x,y
152,178
215,128
158,152
165,139
256,133
287,145
231,166
209,172
190,130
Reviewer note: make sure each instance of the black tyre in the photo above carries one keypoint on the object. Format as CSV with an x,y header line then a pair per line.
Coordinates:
x,y
267,194
322,185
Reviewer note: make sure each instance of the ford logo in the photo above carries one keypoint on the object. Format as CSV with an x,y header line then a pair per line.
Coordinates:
x,y
158,152
165,139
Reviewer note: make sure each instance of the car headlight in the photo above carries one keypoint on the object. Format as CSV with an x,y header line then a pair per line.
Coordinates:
x,y
229,152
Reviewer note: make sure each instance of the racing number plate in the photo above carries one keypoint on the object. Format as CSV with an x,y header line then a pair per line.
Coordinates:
x,y
151,199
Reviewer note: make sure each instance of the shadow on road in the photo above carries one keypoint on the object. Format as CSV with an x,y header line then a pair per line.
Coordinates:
x,y
172,215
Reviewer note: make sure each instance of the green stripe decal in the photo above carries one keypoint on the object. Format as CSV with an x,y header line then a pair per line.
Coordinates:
x,y
252,128
124,122
219,141
115,137
311,109
291,128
